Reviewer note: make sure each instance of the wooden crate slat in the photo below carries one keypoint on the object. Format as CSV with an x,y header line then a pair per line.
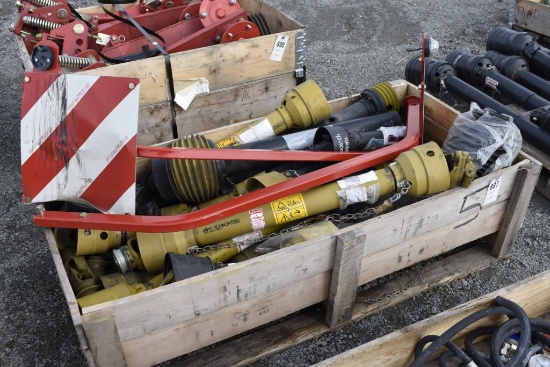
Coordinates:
x,y
397,349
311,324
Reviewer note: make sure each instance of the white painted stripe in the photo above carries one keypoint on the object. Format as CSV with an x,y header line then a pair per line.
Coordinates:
x,y
126,204
95,153
49,110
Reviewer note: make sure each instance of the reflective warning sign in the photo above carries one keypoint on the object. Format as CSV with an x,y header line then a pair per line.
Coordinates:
x,y
289,209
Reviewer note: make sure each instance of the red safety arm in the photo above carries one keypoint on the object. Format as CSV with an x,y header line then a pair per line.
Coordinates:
x,y
351,163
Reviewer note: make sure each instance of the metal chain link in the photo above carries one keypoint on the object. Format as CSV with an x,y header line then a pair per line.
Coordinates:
x,y
404,185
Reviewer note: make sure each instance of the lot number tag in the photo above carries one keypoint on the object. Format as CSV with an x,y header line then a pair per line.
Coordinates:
x,y
492,191
279,48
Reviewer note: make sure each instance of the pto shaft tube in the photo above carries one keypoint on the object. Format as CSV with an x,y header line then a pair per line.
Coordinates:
x,y
509,42
441,76
301,108
517,69
425,166
478,70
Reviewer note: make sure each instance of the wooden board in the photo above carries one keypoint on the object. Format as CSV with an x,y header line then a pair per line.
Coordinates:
x,y
532,16
257,291
396,349
311,324
543,183
244,81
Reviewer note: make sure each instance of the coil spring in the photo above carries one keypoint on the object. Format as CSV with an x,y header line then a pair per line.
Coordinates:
x,y
40,23
44,2
74,61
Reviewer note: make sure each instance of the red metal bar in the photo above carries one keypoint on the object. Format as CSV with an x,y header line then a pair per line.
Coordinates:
x,y
138,223
243,154
422,86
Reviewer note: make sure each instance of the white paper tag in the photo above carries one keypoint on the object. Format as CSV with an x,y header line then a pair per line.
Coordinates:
x,y
261,130
187,90
361,179
492,191
279,48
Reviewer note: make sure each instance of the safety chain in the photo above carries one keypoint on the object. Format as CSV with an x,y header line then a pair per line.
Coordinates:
x,y
405,186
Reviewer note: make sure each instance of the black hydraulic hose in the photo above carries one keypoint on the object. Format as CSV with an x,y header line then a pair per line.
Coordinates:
x,y
453,348
443,357
540,336
455,329
530,353
529,131
502,333
471,350
541,325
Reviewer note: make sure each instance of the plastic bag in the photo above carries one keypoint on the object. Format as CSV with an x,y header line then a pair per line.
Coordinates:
x,y
492,139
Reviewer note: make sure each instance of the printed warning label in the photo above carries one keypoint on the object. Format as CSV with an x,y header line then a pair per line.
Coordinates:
x,y
289,209
257,218
227,142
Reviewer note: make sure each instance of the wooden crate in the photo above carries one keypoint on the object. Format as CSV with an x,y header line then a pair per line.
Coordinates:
x,y
543,184
397,349
176,319
244,83
532,16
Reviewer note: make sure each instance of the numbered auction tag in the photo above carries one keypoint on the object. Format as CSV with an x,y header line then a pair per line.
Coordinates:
x,y
279,48
492,191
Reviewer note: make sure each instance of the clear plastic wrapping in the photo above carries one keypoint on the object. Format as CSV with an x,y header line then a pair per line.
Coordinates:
x,y
492,139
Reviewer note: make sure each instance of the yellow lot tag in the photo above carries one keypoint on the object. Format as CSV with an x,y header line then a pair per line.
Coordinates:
x,y
289,209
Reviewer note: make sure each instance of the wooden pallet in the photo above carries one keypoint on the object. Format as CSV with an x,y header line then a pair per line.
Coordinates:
x,y
532,16
397,348
182,317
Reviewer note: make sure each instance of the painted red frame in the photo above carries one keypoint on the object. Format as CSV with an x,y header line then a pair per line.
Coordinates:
x,y
349,163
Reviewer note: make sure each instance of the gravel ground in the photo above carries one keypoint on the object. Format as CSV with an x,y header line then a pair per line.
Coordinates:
x,y
350,46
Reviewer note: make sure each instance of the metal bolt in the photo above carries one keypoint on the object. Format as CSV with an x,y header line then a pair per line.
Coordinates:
x,y
78,29
187,16
11,27
217,38
62,13
87,232
83,215
27,199
232,2
27,79
113,38
248,26
204,14
534,118
230,35
131,85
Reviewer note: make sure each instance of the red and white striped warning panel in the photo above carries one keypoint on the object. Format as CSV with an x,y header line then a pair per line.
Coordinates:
x,y
79,140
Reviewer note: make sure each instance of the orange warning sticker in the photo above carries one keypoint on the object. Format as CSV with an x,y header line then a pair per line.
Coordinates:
x,y
289,209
